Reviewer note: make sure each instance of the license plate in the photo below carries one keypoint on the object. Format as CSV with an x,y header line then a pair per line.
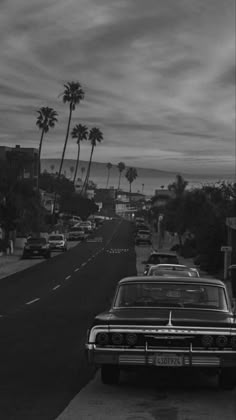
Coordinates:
x,y
35,252
168,360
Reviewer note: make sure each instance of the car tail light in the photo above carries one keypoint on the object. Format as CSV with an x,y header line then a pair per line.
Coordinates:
x,y
233,342
131,339
221,341
207,340
102,338
117,339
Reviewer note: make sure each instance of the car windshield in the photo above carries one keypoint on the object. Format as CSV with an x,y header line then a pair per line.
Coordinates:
x,y
55,238
162,259
40,241
168,294
76,229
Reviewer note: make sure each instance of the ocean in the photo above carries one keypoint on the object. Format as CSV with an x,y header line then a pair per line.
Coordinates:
x,y
147,181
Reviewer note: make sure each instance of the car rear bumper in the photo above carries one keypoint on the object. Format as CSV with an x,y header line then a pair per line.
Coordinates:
x,y
141,357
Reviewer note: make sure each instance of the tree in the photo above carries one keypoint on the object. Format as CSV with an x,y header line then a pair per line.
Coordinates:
x,y
52,168
109,166
121,168
178,186
73,94
79,132
95,136
131,175
46,119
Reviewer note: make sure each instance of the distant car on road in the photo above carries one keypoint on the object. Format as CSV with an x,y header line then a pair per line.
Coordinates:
x,y
176,270
143,236
172,323
76,234
160,257
35,247
57,242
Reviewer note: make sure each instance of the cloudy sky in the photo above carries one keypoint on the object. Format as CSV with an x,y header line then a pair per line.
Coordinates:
x,y
158,76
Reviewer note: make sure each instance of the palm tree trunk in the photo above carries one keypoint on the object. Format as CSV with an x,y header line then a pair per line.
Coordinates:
x,y
88,172
77,163
40,148
119,182
108,176
65,144
63,155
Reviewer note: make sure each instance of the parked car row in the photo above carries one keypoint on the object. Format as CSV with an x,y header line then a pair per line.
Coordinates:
x,y
78,231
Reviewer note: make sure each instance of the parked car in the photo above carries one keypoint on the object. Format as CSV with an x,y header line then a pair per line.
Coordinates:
x,y
35,247
160,257
87,226
172,270
143,236
166,324
57,242
76,234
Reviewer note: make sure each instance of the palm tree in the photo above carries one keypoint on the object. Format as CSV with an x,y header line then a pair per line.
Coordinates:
x,y
79,132
72,170
131,175
46,119
121,168
73,94
109,166
52,167
95,136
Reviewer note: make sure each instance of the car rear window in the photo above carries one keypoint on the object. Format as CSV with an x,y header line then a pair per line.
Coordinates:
x,y
162,259
56,238
36,241
167,294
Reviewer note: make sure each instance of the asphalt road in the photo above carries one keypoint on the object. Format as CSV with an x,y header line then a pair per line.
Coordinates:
x,y
45,311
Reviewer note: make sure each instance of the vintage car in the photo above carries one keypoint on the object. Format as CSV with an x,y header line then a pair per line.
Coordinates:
x,y
173,270
170,323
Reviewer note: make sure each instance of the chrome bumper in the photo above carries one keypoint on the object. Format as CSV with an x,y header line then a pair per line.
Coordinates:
x,y
147,357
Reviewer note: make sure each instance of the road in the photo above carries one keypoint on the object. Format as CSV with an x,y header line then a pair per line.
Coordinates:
x,y
43,372
45,312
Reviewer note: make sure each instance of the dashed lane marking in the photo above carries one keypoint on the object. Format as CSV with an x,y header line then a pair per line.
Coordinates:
x,y
56,287
32,301
77,269
82,265
68,277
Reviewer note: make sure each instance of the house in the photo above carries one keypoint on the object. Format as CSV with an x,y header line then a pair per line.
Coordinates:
x,y
23,161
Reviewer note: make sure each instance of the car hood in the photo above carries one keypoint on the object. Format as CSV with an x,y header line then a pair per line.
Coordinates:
x,y
175,317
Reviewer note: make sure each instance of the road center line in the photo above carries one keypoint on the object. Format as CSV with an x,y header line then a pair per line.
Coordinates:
x,y
82,265
32,301
56,287
68,277
77,269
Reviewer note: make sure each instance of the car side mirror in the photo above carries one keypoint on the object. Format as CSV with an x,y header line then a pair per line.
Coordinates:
x,y
233,304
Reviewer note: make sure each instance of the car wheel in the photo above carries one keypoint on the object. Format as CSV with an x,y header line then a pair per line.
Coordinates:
x,y
227,378
110,374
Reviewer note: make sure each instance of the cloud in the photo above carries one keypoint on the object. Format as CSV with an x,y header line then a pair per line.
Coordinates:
x,y
158,76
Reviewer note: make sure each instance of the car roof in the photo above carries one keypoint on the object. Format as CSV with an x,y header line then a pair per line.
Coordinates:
x,y
159,279
169,266
163,253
